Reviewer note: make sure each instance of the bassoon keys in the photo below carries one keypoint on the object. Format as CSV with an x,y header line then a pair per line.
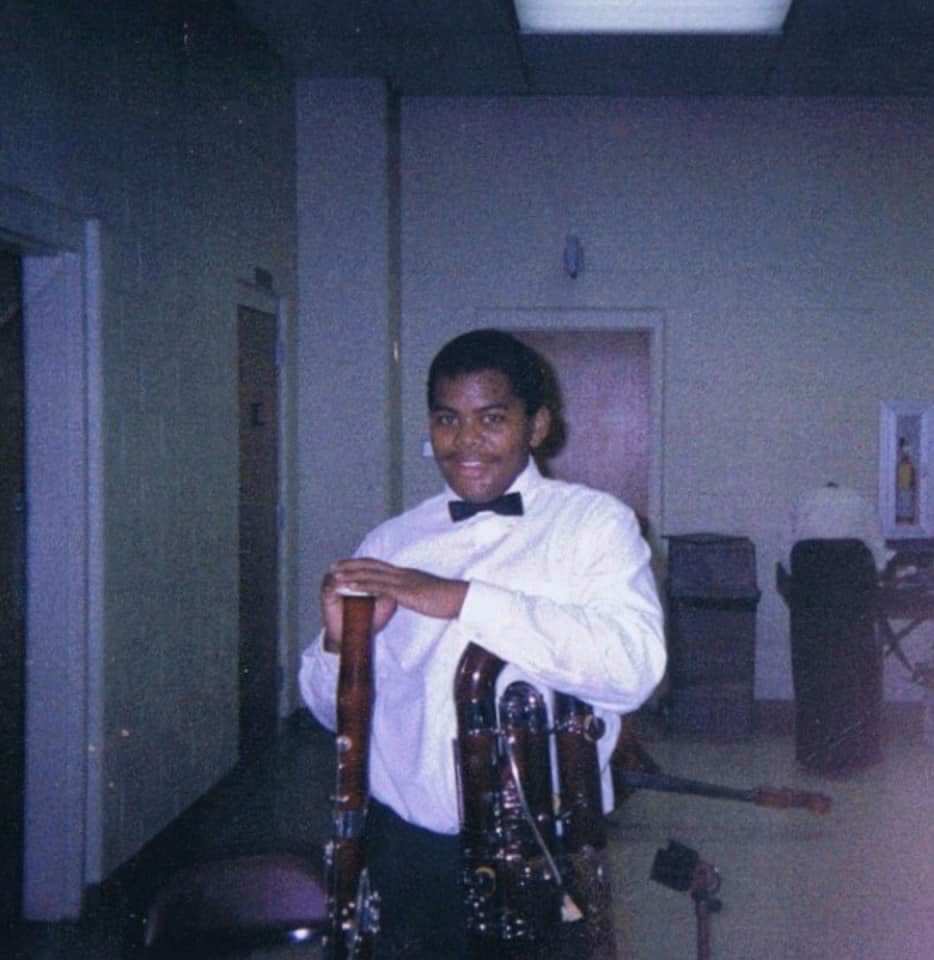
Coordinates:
x,y
534,876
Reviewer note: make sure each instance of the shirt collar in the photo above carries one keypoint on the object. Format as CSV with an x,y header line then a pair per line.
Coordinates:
x,y
525,483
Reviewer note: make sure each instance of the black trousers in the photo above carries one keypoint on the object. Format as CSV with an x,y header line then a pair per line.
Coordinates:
x,y
417,874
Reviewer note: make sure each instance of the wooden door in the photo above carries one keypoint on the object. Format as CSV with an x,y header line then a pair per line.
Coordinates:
x,y
604,383
259,485
12,591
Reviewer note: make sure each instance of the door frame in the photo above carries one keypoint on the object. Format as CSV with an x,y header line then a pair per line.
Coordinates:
x,y
266,299
582,320
61,319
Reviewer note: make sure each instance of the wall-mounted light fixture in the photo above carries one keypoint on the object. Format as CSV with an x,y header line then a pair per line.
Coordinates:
x,y
651,16
573,255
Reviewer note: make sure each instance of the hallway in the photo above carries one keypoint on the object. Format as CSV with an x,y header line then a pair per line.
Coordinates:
x,y
854,885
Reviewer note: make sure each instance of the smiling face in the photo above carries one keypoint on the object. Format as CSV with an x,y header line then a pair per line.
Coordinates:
x,y
481,435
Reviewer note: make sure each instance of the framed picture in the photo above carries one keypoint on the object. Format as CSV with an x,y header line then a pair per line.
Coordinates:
x,y
906,432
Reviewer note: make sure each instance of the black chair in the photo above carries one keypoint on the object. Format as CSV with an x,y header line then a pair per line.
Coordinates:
x,y
230,908
836,655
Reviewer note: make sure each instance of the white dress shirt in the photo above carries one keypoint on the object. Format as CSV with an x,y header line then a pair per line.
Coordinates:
x,y
564,594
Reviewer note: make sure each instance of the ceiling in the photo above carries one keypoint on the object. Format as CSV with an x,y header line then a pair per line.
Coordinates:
x,y
474,48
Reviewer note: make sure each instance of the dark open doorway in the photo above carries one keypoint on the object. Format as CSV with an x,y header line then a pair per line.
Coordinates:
x,y
12,589
259,484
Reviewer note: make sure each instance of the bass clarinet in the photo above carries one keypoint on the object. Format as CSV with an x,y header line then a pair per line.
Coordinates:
x,y
353,908
535,881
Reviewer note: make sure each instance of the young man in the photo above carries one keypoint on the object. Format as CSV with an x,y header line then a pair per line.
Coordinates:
x,y
558,586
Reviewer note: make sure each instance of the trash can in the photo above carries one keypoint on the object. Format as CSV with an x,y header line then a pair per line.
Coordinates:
x,y
712,598
836,656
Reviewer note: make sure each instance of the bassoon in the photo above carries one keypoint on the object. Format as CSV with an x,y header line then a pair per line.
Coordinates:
x,y
517,888
353,908
536,873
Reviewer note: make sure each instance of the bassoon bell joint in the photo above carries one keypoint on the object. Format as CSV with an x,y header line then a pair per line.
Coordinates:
x,y
518,841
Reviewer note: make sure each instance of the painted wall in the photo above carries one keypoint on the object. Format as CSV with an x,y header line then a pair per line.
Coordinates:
x,y
177,135
785,242
346,318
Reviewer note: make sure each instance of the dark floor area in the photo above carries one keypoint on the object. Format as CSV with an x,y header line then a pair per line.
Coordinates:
x,y
852,885
277,803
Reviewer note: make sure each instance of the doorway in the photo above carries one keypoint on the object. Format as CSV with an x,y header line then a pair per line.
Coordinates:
x,y
12,589
610,365
603,380
258,390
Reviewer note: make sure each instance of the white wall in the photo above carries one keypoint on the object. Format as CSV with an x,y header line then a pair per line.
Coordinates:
x,y
787,243
183,151
345,318
784,242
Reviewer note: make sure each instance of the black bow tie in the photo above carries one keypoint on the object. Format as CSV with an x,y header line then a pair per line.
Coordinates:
x,y
508,505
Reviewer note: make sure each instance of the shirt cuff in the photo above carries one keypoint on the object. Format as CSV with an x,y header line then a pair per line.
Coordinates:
x,y
318,680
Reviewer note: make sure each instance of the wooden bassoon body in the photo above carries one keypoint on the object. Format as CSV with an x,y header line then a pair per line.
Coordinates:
x,y
353,907
536,871
527,860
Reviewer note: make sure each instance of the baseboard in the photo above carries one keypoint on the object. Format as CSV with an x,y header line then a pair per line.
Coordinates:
x,y
904,720
774,717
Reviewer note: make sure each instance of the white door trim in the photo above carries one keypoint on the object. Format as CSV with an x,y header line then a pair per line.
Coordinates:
x,y
61,325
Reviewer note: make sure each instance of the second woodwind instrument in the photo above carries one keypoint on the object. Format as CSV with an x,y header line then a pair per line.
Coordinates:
x,y
516,887
353,907
536,870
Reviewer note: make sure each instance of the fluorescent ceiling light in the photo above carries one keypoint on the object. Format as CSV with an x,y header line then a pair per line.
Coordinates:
x,y
651,16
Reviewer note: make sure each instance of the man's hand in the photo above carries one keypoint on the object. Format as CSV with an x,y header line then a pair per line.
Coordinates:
x,y
393,586
332,612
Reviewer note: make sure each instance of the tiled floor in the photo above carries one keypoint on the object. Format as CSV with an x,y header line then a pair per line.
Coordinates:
x,y
852,885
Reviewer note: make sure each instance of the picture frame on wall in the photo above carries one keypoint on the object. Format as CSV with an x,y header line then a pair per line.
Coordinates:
x,y
906,432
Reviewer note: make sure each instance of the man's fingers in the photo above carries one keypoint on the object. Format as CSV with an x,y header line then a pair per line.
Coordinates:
x,y
410,588
368,576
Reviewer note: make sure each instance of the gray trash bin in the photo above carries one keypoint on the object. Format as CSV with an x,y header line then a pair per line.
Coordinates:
x,y
712,598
